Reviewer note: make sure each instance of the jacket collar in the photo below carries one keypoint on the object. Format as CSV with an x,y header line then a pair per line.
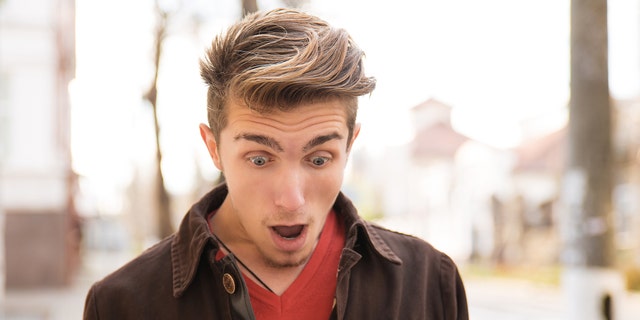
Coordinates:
x,y
361,231
193,236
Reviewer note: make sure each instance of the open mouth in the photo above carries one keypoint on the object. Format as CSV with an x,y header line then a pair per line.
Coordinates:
x,y
288,232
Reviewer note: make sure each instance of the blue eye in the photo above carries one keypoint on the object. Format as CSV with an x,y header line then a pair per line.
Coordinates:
x,y
258,161
319,161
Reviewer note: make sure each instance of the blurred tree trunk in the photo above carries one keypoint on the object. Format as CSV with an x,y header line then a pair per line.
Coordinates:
x,y
249,6
591,281
295,3
165,225
590,131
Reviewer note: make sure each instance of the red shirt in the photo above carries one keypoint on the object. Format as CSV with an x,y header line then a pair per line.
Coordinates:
x,y
311,295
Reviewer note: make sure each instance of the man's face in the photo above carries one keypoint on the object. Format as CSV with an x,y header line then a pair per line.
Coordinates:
x,y
284,171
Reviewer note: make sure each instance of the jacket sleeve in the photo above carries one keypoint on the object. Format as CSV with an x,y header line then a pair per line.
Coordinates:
x,y
453,292
90,307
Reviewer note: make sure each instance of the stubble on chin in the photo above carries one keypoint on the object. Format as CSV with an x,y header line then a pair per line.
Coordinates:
x,y
288,263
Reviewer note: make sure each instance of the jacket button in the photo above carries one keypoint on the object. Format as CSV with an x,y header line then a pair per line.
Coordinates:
x,y
228,283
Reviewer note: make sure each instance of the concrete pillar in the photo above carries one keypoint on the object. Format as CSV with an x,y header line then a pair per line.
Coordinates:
x,y
3,270
593,293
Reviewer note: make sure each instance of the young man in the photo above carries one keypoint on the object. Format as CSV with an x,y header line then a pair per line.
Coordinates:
x,y
279,240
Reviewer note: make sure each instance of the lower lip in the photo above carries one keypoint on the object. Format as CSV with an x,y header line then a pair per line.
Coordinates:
x,y
289,245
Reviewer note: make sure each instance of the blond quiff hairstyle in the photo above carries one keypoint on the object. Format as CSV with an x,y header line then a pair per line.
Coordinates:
x,y
280,59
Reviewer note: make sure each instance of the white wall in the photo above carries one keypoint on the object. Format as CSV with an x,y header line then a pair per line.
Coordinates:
x,y
33,166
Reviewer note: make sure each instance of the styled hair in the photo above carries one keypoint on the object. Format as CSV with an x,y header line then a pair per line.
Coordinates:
x,y
280,59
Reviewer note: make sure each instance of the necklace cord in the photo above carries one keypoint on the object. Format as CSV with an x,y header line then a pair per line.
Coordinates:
x,y
244,265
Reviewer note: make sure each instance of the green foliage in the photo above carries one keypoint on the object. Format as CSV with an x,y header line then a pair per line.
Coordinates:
x,y
632,276
549,275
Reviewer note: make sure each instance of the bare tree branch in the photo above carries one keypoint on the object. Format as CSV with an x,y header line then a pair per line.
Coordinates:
x,y
163,201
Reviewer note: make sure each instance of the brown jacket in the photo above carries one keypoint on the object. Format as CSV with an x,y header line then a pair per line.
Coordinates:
x,y
382,275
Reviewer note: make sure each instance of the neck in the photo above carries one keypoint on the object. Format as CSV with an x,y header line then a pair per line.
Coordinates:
x,y
251,262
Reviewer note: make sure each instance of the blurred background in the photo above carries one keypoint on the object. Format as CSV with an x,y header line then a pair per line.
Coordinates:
x,y
467,142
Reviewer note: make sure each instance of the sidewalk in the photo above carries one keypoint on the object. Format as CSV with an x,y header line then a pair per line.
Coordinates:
x,y
512,299
521,300
61,303
45,304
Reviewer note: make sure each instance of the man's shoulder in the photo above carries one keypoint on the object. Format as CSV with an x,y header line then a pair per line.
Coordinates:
x,y
426,276
393,236
150,266
407,247
126,292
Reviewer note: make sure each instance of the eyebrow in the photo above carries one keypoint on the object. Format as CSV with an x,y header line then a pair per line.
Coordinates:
x,y
261,139
320,140
275,145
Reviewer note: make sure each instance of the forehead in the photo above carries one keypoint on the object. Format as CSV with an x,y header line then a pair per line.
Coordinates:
x,y
317,115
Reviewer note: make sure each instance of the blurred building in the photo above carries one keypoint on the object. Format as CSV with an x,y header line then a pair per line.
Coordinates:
x,y
538,176
425,187
460,179
626,193
487,204
37,53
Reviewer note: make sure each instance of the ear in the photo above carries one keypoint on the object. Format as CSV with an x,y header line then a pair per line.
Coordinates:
x,y
212,145
356,132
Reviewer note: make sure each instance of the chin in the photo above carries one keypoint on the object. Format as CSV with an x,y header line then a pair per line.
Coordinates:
x,y
288,262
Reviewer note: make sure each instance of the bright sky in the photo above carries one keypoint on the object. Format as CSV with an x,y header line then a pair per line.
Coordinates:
x,y
497,62
493,61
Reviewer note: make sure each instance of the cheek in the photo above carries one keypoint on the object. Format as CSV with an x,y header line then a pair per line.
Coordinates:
x,y
248,187
325,185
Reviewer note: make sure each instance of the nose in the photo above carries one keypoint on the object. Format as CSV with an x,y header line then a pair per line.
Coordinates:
x,y
290,190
